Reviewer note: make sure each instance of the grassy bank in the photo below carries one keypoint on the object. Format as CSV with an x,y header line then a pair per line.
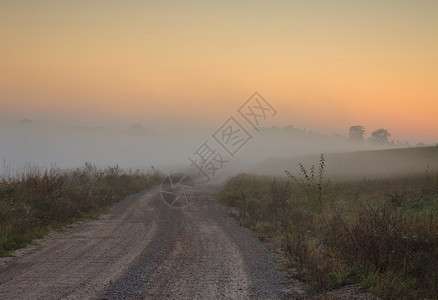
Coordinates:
x,y
380,233
35,200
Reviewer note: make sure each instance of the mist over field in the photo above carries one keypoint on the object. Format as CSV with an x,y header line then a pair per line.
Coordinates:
x,y
133,146
269,151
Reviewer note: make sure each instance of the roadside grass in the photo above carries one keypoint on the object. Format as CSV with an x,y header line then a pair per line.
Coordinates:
x,y
37,200
380,233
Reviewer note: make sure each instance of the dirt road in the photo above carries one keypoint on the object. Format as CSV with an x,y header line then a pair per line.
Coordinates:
x,y
144,249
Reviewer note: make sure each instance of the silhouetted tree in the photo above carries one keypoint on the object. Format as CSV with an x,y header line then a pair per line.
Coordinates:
x,y
356,133
380,136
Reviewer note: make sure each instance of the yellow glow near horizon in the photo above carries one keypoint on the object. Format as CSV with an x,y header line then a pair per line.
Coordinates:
x,y
323,64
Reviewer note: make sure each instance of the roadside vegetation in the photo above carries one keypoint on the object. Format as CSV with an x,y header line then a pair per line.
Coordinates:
x,y
35,201
379,233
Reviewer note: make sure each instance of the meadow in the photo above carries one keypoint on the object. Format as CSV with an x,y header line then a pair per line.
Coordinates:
x,y
380,233
36,200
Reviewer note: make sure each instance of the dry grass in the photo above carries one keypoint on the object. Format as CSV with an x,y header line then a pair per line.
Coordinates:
x,y
381,233
36,200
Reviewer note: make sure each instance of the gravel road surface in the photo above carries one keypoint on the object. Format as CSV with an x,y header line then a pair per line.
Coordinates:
x,y
144,249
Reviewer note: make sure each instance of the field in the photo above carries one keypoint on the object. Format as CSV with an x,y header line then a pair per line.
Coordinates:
x,y
380,233
360,164
36,200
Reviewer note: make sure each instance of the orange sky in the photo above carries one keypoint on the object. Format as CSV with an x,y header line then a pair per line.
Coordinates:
x,y
324,65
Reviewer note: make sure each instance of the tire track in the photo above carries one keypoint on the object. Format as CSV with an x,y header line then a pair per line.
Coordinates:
x,y
146,250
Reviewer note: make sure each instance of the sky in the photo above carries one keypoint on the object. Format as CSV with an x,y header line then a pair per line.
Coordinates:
x,y
323,65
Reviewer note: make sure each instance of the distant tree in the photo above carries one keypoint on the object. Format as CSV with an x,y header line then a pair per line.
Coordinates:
x,y
136,126
380,136
402,144
355,133
25,122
